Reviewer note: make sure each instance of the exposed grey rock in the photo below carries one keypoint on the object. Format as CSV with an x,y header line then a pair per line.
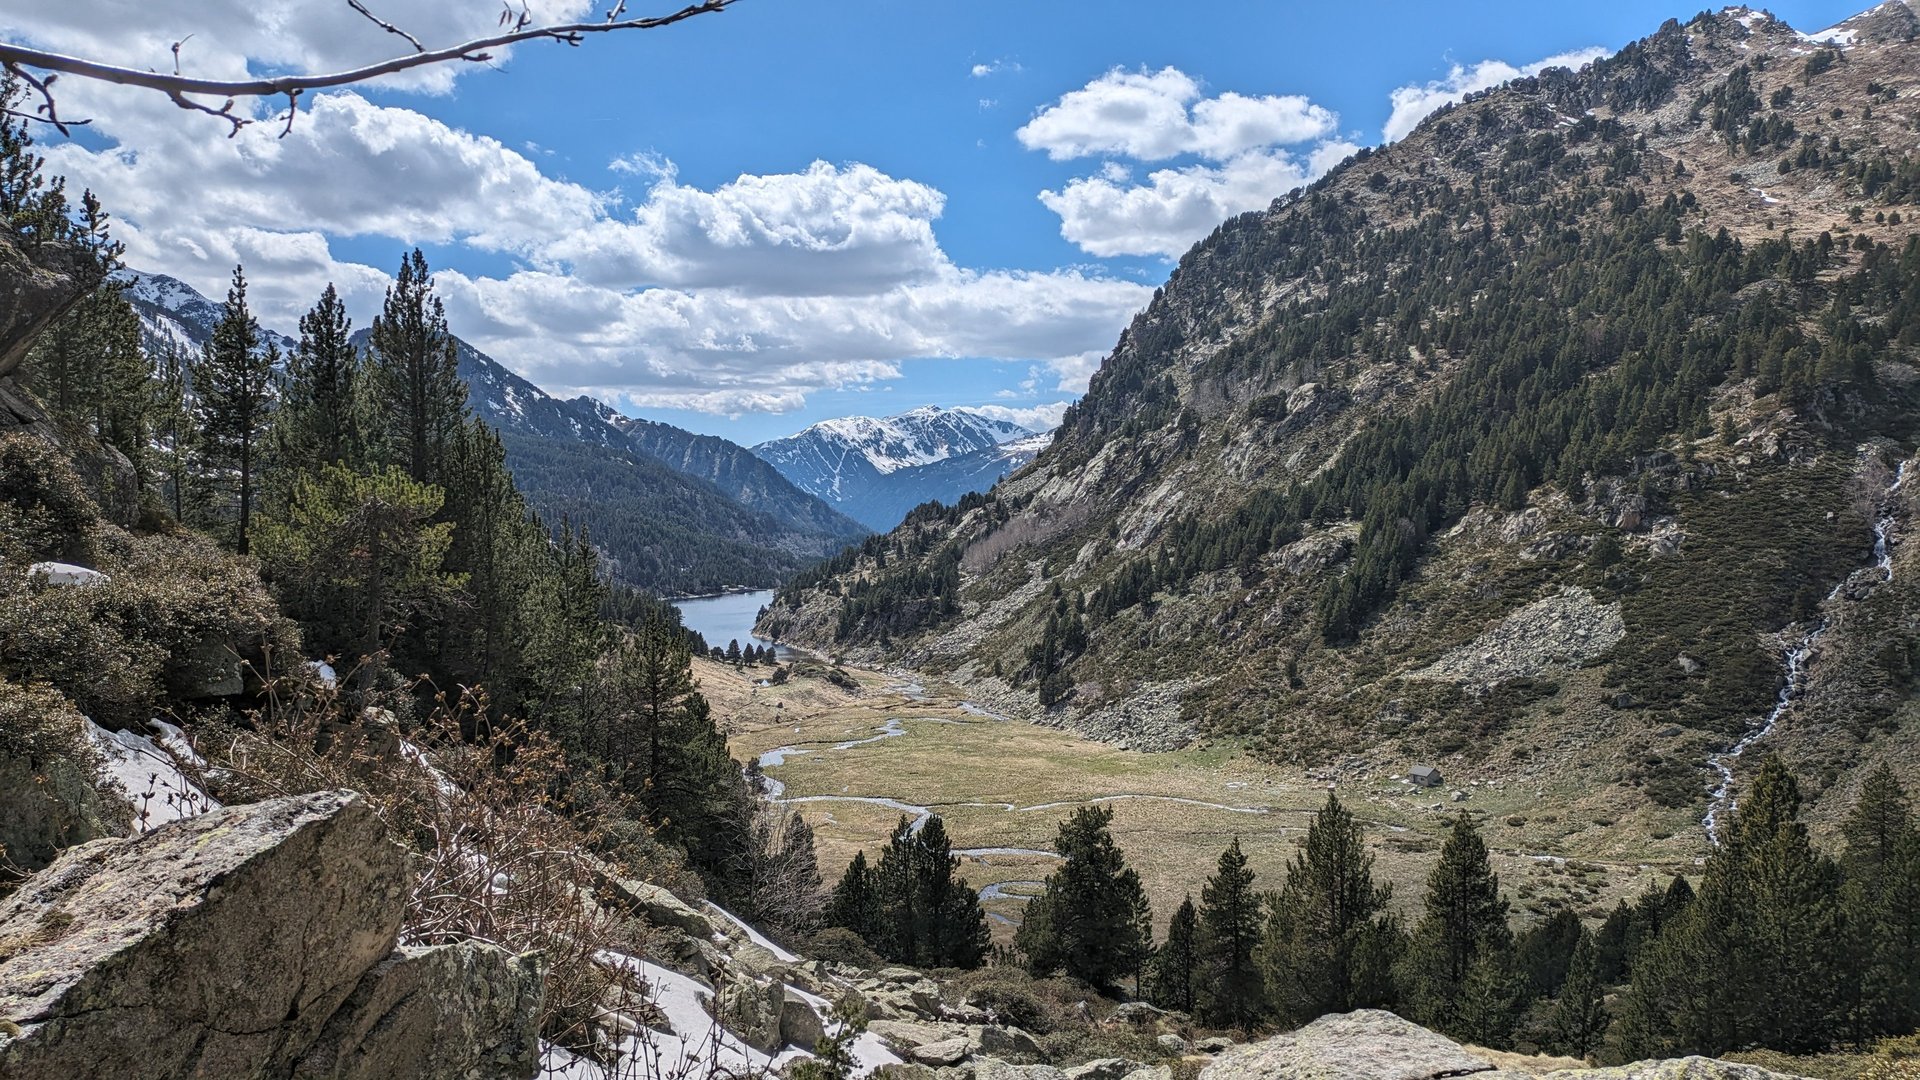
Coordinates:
x,y
944,1052
35,289
1102,1069
1687,1068
800,1022
752,1010
51,804
219,945
458,1012
1174,1044
210,668
904,1035
1364,1045
1138,1013
1151,1072
995,1069
1007,1042
1562,630
652,903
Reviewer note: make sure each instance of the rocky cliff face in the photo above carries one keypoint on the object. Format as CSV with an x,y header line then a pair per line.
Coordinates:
x,y
1339,491
253,941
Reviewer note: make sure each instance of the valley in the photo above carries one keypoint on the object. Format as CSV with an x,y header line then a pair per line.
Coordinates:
x,y
854,762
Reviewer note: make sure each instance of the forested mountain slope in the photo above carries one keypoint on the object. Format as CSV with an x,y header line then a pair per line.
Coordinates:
x,y
1533,445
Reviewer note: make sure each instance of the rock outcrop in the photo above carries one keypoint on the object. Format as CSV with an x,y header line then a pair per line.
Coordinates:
x,y
1372,1045
35,289
250,941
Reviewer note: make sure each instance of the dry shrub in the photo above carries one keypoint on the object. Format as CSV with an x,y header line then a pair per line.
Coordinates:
x,y
502,840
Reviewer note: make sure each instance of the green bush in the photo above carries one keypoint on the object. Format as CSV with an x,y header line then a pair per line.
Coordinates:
x,y
842,946
44,509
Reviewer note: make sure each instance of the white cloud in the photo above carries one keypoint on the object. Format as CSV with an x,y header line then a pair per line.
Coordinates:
x,y
994,67
1152,116
1412,104
1107,215
750,295
830,229
1043,417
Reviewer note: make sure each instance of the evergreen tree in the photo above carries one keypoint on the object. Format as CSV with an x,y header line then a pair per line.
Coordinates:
x,y
1177,961
1580,1015
1544,951
1753,959
1465,919
1316,952
929,917
319,421
418,400
856,902
1610,953
1087,923
175,445
1231,991
233,387
1491,1001
357,559
1881,864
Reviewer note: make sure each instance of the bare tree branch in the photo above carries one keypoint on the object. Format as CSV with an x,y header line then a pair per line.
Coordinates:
x,y
385,25
18,59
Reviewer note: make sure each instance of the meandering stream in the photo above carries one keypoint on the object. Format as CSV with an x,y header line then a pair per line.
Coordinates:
x,y
1798,656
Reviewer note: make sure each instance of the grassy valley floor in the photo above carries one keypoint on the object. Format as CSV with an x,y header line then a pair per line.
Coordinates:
x,y
852,762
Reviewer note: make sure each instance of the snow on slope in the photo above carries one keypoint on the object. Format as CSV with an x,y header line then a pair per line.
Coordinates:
x,y
874,469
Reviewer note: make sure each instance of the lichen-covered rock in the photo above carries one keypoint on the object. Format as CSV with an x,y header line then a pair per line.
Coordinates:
x,y
219,945
1687,1068
449,1012
800,1023
751,1010
35,289
1364,1045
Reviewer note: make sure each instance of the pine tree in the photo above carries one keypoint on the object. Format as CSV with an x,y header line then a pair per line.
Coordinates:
x,y
1465,919
856,903
1752,960
1087,923
357,558
319,420
1580,1015
1491,1000
174,435
233,387
1177,961
1545,951
1315,952
929,917
1231,990
1881,864
418,400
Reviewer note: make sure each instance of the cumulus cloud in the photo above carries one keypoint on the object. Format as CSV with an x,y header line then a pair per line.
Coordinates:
x,y
1153,116
1241,152
830,229
1412,104
1043,417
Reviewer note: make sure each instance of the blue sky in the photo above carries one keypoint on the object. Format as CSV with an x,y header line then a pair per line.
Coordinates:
x,y
642,217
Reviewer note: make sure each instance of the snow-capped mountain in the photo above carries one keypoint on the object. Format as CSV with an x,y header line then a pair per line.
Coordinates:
x,y
875,469
174,313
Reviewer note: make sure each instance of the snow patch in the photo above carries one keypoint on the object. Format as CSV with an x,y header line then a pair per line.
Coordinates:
x,y
151,773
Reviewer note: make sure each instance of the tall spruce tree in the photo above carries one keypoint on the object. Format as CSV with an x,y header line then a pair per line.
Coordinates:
x,y
1580,1016
1177,961
175,439
1088,922
1753,959
929,917
1323,950
419,402
856,902
233,388
1231,988
320,408
1465,919
1881,864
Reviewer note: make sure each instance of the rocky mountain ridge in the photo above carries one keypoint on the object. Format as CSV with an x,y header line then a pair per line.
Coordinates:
x,y
876,469
1322,495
